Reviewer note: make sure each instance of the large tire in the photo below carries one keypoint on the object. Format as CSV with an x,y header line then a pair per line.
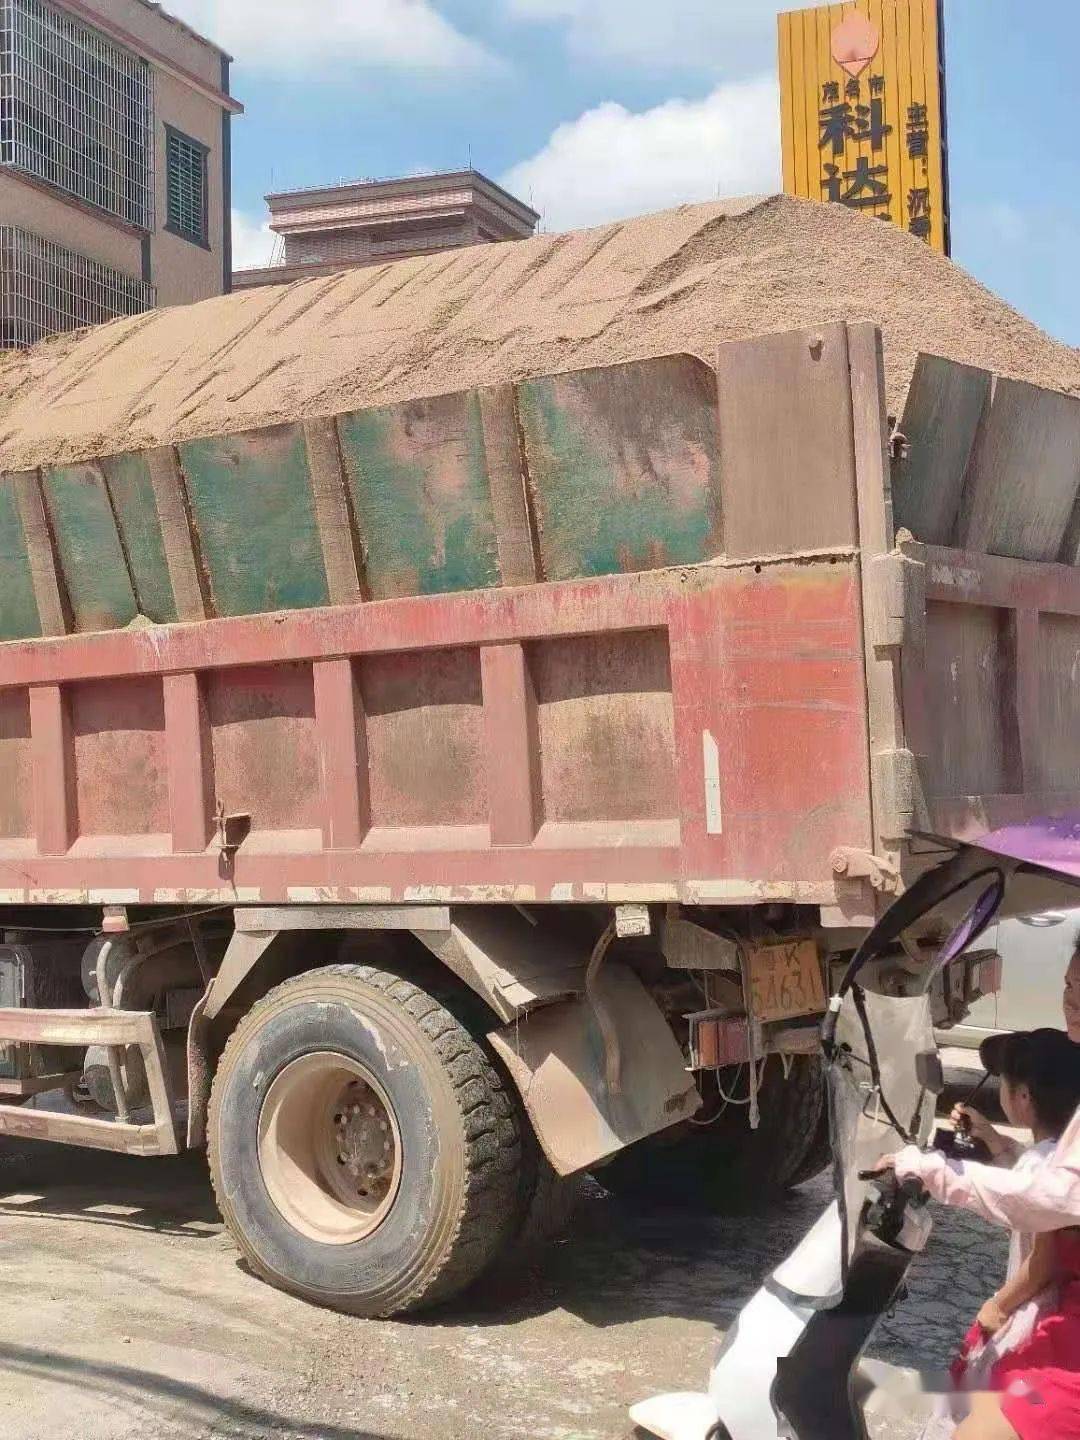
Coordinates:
x,y
350,1077
818,1155
549,1202
722,1164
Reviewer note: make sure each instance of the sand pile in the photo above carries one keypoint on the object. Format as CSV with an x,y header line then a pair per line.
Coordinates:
x,y
685,280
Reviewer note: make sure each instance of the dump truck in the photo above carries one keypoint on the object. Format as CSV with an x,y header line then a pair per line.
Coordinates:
x,y
423,805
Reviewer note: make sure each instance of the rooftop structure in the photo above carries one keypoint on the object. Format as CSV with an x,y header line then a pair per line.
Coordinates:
x,y
368,222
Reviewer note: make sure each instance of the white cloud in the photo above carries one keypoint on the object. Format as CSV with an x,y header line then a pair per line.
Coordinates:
x,y
733,36
284,36
611,162
253,241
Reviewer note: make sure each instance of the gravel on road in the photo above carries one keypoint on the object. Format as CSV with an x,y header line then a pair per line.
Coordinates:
x,y
128,1314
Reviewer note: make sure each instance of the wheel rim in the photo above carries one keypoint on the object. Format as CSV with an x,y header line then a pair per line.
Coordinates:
x,y
330,1148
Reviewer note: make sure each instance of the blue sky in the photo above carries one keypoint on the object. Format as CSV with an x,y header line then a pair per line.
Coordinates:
x,y
599,108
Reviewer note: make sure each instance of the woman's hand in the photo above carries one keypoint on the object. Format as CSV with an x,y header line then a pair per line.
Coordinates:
x,y
1002,1149
992,1317
977,1126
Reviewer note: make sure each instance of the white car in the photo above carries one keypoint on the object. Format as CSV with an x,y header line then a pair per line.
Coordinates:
x,y
1035,954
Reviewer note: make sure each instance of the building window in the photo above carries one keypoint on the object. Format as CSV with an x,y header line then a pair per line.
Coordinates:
x,y
46,288
186,189
77,111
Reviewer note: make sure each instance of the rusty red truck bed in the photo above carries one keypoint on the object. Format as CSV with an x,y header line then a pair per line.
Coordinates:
x,y
625,658
576,727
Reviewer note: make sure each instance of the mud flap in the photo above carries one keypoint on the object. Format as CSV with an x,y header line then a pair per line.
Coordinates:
x,y
585,1102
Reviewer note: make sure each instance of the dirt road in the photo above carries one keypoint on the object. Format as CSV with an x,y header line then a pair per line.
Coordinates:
x,y
126,1314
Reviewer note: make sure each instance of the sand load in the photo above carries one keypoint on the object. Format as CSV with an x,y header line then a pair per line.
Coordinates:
x,y
682,281
558,409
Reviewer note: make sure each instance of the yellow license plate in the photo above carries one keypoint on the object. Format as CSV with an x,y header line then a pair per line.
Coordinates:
x,y
786,981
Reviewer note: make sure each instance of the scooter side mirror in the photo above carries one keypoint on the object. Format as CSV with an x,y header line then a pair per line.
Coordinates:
x,y
930,1072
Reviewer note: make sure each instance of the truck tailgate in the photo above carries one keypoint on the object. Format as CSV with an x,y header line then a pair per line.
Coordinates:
x,y
990,674
991,689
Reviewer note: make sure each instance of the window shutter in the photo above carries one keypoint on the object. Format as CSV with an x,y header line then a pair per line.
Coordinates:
x,y
186,186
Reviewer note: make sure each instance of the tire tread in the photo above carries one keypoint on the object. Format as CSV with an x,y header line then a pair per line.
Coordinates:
x,y
492,1139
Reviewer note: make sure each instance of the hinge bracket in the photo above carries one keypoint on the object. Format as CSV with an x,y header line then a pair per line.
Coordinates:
x,y
895,600
881,874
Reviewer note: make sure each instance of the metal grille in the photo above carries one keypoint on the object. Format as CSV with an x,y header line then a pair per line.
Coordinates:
x,y
187,186
45,288
76,111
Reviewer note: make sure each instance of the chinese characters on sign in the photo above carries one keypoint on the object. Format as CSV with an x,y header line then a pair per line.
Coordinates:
x,y
866,187
863,111
919,213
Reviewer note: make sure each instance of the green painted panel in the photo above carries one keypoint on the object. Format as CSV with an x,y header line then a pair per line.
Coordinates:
x,y
136,514
417,473
91,556
19,619
624,467
254,512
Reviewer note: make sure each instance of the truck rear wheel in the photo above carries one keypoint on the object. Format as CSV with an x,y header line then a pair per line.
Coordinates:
x,y
818,1154
719,1163
550,1202
363,1150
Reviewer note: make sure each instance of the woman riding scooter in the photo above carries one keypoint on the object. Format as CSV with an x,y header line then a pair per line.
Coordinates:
x,y
1041,1403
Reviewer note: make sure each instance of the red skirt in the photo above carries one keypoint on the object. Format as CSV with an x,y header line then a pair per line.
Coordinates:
x,y
1040,1379
1044,1405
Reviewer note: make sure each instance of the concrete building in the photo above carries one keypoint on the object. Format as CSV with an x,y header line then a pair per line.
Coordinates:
x,y
369,222
114,164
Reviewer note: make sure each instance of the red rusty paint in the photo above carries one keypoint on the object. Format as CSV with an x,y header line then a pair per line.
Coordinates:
x,y
425,739
586,607
52,765
605,715
544,743
510,730
190,773
118,737
263,743
1019,622
16,801
343,765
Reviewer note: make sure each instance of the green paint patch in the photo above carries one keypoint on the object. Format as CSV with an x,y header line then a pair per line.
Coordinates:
x,y
624,467
417,474
88,546
140,529
19,618
255,516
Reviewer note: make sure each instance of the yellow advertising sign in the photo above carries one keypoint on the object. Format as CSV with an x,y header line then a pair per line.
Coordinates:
x,y
863,111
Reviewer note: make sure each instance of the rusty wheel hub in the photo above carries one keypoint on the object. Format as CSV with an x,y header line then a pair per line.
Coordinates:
x,y
330,1148
363,1142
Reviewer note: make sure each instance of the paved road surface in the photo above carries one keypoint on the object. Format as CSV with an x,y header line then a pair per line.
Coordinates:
x,y
126,1314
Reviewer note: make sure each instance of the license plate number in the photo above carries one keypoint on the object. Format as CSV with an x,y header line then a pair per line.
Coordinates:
x,y
786,981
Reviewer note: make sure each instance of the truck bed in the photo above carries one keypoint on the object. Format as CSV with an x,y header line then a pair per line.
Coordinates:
x,y
642,633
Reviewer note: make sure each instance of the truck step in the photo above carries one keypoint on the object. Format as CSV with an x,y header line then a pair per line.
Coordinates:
x,y
78,1029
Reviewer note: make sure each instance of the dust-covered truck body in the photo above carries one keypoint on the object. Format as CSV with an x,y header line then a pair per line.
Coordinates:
x,y
423,805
